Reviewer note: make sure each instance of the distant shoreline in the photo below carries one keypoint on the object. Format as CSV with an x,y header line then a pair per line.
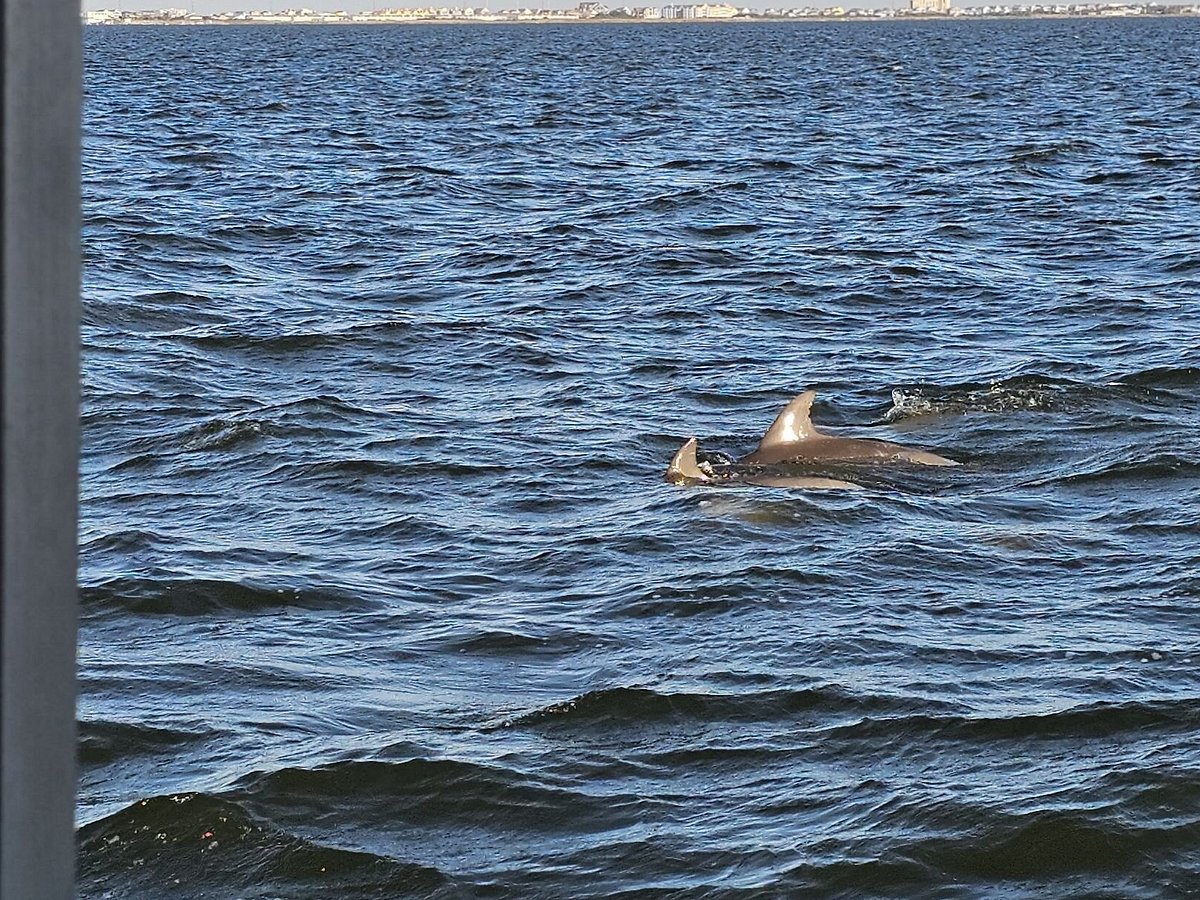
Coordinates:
x,y
624,20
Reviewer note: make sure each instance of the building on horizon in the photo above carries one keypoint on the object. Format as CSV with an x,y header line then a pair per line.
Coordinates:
x,y
930,6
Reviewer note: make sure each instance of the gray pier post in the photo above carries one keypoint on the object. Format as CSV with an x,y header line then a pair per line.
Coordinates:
x,y
40,90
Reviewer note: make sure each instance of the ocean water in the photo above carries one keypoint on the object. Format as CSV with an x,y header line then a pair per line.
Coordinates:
x,y
389,334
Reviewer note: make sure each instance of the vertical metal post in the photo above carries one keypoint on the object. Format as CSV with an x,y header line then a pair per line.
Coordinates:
x,y
40,90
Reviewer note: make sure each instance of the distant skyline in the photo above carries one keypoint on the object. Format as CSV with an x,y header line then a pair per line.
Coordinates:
x,y
210,7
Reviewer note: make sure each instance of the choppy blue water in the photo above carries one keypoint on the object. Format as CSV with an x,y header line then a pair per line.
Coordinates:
x,y
389,335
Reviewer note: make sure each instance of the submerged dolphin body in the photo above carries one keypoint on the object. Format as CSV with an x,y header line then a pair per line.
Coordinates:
x,y
685,469
793,439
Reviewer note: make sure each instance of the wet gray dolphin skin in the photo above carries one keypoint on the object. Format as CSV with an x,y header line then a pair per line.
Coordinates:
x,y
684,469
793,439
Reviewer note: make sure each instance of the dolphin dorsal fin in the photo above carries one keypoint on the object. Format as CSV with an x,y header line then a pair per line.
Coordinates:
x,y
793,424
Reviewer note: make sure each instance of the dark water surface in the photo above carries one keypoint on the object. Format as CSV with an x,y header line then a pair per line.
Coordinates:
x,y
389,335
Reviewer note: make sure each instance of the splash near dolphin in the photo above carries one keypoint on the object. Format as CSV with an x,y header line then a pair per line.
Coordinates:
x,y
793,440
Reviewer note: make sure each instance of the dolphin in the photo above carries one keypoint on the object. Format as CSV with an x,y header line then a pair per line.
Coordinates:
x,y
792,439
685,469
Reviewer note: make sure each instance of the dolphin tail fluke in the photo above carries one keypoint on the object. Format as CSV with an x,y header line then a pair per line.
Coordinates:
x,y
683,467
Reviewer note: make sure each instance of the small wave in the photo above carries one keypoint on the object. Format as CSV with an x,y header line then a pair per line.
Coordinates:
x,y
722,231
224,434
174,299
1163,378
656,368
423,791
1036,393
102,741
126,220
1156,467
513,643
201,245
625,705
324,408
336,338
1093,721
149,312
1180,263
201,597
208,158
687,603
136,462
131,540
688,164
687,260
1041,845
1052,150
172,844
777,165
267,231
278,344
715,595
1106,177
354,469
